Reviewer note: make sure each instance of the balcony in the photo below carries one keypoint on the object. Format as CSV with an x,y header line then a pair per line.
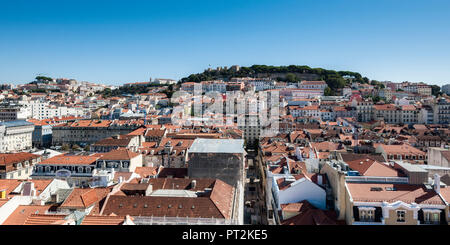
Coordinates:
x,y
368,223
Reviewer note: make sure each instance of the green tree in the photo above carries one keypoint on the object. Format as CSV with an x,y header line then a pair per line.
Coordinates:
x,y
334,79
435,90
44,79
376,99
291,78
328,92
65,147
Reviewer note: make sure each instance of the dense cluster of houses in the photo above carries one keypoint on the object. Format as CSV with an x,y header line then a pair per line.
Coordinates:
x,y
76,157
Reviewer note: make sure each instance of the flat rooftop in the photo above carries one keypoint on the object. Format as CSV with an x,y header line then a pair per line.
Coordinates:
x,y
217,146
411,167
16,123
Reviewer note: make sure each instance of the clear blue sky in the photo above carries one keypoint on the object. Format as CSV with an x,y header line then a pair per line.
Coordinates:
x,y
128,41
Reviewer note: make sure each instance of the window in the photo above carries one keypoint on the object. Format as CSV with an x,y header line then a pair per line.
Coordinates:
x,y
431,217
376,189
401,216
367,215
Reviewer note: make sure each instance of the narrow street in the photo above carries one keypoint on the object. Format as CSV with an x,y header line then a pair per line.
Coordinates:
x,y
254,211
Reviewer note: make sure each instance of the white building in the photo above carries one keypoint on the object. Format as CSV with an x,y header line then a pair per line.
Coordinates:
x,y
385,93
164,81
27,193
319,85
259,84
347,91
214,86
438,156
16,136
286,188
442,111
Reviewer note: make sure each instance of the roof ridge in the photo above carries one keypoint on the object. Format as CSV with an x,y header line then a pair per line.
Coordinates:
x,y
67,198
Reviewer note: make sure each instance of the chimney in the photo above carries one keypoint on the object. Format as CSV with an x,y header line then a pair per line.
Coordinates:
x,y
193,184
319,179
3,194
437,183
149,190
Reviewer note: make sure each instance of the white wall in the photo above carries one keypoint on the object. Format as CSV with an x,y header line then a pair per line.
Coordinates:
x,y
8,208
303,189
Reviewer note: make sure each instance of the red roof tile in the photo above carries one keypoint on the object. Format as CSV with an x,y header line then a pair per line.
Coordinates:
x,y
361,192
20,215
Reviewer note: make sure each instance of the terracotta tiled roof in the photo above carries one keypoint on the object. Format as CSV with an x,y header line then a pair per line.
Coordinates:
x,y
308,215
144,172
408,108
313,83
325,146
134,187
400,149
446,179
296,207
70,160
385,107
121,141
222,197
295,135
309,108
313,131
125,175
181,183
139,131
324,155
10,184
369,167
119,154
216,205
361,192
45,219
155,133
102,220
84,198
446,155
283,184
353,156
445,193
11,158
20,215
174,172
3,202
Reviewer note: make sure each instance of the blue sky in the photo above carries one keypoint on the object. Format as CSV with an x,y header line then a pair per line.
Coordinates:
x,y
129,41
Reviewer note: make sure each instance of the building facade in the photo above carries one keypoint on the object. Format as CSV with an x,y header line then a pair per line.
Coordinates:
x,y
17,165
16,136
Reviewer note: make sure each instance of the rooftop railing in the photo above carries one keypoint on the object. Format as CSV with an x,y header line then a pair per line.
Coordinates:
x,y
372,179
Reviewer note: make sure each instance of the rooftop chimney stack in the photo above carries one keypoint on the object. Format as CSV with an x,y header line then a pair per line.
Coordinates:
x,y
437,183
